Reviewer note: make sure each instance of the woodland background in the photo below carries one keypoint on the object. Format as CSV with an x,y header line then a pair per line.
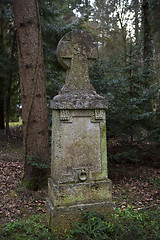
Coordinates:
x,y
127,71
127,74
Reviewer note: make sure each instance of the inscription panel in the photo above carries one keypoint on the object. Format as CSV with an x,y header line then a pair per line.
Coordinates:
x,y
81,145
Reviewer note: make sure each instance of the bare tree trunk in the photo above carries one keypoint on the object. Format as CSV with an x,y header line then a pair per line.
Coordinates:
x,y
147,50
2,113
136,21
8,97
147,41
33,91
124,35
2,92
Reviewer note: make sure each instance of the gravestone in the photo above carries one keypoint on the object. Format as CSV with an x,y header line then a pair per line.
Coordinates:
x,y
79,179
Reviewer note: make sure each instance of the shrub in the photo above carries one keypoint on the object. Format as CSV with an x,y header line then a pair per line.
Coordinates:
x,y
34,228
125,224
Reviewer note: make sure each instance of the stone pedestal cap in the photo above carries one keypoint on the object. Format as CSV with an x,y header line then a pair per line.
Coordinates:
x,y
76,51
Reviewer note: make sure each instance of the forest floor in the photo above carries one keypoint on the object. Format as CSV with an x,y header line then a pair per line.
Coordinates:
x,y
134,185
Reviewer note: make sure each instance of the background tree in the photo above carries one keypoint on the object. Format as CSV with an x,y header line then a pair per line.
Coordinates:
x,y
126,73
8,72
33,91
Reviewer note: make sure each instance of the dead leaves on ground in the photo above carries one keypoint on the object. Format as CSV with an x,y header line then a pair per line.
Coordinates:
x,y
16,201
140,189
137,187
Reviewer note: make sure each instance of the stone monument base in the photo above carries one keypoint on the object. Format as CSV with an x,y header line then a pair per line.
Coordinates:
x,y
67,202
79,177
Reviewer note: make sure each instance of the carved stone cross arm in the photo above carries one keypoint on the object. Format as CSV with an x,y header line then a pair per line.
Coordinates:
x,y
76,51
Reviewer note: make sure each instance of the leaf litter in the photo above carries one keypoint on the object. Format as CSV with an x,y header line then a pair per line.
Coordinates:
x,y
133,185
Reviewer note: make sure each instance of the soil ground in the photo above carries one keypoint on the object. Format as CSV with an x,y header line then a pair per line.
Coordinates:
x,y
135,185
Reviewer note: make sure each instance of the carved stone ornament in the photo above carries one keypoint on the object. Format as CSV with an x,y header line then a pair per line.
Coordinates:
x,y
65,115
76,51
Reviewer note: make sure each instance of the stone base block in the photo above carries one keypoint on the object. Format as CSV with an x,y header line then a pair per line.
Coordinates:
x,y
67,202
62,218
76,193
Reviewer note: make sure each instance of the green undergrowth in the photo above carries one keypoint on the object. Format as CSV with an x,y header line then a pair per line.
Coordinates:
x,y
124,224
34,228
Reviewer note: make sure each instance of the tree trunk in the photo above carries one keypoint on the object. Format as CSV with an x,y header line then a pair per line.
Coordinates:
x,y
147,51
136,21
147,41
8,97
2,87
33,92
2,113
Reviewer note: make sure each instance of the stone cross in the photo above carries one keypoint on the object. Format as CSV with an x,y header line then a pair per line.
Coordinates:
x,y
76,51
79,176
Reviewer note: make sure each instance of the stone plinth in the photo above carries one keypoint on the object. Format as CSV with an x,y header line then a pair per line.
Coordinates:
x,y
79,179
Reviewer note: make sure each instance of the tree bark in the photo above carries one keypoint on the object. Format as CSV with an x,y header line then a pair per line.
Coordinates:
x,y
8,97
136,21
2,87
33,91
147,51
2,127
147,41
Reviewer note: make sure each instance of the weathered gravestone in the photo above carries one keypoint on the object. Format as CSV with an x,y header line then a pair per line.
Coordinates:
x,y
79,179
